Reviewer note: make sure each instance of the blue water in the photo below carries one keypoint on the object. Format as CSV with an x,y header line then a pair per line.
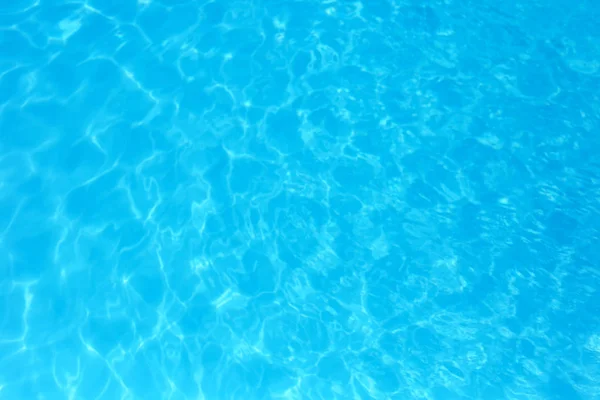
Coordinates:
x,y
246,199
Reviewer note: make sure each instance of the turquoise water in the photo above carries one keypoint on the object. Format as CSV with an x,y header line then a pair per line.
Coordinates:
x,y
299,199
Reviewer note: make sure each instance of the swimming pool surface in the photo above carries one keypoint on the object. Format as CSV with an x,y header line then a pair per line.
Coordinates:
x,y
276,199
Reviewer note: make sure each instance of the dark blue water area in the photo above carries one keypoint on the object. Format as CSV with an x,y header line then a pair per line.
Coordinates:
x,y
299,199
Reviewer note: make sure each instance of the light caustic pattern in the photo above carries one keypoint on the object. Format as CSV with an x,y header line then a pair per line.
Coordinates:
x,y
299,199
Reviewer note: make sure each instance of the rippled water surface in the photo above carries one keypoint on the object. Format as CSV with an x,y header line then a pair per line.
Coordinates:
x,y
276,199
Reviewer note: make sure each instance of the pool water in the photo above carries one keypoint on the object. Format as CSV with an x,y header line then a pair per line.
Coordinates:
x,y
299,199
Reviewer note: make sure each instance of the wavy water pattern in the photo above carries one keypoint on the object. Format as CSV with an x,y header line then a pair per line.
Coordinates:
x,y
299,199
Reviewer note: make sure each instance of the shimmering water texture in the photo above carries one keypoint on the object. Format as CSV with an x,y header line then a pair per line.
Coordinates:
x,y
268,199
